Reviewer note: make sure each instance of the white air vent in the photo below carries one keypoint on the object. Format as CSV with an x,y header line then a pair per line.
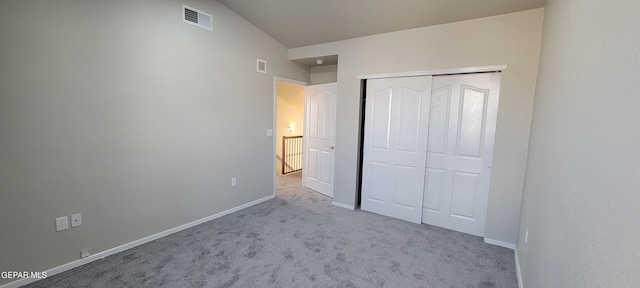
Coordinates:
x,y
196,17
261,66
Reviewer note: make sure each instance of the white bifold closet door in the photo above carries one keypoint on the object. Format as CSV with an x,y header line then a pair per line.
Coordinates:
x,y
428,148
462,125
395,146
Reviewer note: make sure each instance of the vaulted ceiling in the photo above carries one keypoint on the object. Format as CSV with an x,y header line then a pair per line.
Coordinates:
x,y
297,23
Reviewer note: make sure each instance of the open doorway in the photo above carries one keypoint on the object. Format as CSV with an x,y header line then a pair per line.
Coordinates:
x,y
305,126
289,130
289,126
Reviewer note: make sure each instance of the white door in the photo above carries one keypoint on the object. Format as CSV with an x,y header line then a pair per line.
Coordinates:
x,y
462,127
319,134
395,146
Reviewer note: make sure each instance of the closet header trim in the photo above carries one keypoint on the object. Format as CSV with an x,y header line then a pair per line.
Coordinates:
x,y
467,70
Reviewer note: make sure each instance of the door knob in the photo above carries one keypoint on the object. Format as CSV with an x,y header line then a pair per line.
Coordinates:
x,y
331,147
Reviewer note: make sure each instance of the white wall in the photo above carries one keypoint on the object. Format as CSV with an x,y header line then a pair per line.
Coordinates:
x,y
582,192
289,109
324,74
512,39
120,111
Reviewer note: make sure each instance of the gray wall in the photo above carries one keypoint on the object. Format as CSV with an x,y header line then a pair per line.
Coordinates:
x,y
512,39
582,189
324,74
120,111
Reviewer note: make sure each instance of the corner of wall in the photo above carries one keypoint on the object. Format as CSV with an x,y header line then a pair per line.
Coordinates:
x,y
518,271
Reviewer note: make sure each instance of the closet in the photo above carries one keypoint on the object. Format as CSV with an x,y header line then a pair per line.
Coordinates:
x,y
428,148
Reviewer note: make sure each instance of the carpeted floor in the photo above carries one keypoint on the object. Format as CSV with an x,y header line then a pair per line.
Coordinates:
x,y
300,240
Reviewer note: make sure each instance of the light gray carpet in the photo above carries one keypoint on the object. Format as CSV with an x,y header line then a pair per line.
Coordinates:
x,y
300,240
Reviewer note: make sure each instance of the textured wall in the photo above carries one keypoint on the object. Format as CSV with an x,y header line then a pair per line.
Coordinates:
x,y
512,39
120,111
582,189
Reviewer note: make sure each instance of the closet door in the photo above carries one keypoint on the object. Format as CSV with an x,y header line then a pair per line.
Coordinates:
x,y
395,146
462,126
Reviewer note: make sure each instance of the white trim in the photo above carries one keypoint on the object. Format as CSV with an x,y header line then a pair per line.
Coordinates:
x,y
518,273
481,69
500,243
275,94
334,203
109,252
305,136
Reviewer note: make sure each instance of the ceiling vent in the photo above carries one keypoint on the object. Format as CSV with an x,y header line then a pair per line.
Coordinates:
x,y
196,17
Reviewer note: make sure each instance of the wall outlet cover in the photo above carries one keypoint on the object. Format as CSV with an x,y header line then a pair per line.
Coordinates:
x,y
62,223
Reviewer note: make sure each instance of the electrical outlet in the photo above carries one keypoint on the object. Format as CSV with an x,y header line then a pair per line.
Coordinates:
x,y
269,132
62,223
76,220
233,182
526,236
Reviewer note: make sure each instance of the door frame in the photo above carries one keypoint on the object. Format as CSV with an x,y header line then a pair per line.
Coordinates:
x,y
277,79
466,70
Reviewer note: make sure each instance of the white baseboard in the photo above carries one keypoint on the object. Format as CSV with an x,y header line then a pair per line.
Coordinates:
x,y
500,243
518,273
103,254
334,203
